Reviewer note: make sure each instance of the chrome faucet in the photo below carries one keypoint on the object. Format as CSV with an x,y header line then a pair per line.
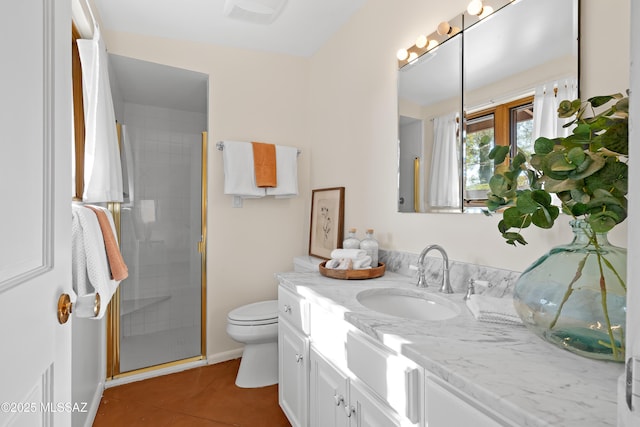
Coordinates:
x,y
422,280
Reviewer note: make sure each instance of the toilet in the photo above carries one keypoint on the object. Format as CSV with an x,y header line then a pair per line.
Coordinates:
x,y
256,326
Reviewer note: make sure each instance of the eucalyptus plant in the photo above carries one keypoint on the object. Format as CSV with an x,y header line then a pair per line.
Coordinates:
x,y
587,170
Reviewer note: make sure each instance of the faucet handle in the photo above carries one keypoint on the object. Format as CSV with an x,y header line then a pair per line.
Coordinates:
x,y
470,290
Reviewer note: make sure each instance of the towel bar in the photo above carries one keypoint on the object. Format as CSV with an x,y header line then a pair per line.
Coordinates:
x,y
220,147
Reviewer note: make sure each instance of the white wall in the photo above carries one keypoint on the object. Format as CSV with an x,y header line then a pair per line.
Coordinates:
x,y
340,108
353,119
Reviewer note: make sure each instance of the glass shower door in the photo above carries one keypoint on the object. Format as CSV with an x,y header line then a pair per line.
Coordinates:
x,y
161,227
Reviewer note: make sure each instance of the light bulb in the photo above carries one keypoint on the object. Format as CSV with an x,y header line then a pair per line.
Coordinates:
x,y
486,11
432,43
421,41
402,54
443,28
475,7
412,56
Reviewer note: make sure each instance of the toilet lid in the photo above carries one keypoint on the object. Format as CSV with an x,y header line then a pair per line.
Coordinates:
x,y
256,312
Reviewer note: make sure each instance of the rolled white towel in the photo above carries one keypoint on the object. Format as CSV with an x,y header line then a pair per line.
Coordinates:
x,y
362,263
348,253
493,310
339,264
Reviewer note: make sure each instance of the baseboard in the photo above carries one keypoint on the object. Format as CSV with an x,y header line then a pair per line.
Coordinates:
x,y
92,409
155,373
224,356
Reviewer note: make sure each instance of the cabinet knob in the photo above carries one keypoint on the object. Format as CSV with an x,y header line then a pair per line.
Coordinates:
x,y
349,410
298,358
287,308
339,399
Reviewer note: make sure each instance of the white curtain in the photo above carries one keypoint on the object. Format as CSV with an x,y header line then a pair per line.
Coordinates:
x,y
545,107
444,177
102,169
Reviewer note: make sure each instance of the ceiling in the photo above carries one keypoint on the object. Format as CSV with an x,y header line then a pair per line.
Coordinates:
x,y
300,30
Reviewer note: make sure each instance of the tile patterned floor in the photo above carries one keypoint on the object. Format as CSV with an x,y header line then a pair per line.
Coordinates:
x,y
199,397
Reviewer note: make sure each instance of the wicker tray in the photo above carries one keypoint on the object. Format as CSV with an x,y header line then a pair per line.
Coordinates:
x,y
369,273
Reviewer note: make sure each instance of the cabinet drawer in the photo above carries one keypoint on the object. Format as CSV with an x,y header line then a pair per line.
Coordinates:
x,y
294,309
396,379
447,406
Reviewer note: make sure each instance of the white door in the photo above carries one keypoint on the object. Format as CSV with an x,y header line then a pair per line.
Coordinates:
x,y
35,213
629,394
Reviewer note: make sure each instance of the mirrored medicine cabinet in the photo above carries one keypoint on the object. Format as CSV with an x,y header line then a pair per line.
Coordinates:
x,y
496,81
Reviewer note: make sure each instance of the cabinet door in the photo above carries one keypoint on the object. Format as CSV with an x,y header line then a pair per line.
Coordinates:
x,y
293,374
327,395
367,411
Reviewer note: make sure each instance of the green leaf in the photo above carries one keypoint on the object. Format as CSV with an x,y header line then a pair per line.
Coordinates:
x,y
598,101
568,108
545,216
499,153
576,156
616,138
500,186
526,204
512,238
514,218
602,222
541,197
543,146
591,165
579,209
583,130
557,162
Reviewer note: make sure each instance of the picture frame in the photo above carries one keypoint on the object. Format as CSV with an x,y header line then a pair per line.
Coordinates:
x,y
327,221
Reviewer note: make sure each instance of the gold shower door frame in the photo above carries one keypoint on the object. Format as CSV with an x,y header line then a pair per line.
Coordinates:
x,y
113,311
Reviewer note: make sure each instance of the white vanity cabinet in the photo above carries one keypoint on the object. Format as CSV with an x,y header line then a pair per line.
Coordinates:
x,y
320,359
335,400
293,357
328,393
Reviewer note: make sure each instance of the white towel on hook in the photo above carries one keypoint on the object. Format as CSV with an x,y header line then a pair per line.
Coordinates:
x,y
493,309
90,269
239,173
287,172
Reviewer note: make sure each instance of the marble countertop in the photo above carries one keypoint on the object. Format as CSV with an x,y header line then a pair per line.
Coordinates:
x,y
506,368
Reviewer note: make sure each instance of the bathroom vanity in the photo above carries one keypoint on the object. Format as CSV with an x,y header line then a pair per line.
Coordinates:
x,y
342,364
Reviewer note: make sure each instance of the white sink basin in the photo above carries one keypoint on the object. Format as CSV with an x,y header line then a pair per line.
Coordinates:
x,y
408,304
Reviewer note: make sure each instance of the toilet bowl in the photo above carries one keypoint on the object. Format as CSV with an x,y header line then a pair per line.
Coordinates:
x,y
256,326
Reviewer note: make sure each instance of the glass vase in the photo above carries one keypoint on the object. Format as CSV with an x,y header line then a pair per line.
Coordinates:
x,y
575,295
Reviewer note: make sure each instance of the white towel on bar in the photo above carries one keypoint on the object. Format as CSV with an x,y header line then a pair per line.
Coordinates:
x,y
90,268
239,173
493,309
287,172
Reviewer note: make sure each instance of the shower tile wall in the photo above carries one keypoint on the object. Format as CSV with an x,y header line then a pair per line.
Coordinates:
x,y
163,291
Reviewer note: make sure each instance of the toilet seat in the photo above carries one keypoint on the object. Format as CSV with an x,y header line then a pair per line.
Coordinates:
x,y
259,313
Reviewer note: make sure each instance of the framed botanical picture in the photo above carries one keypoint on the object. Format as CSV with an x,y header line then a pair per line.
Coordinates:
x,y
327,221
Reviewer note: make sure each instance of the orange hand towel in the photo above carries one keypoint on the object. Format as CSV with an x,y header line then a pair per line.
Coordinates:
x,y
264,164
119,270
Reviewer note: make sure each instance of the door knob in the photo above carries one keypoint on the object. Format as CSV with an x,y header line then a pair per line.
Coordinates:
x,y
65,307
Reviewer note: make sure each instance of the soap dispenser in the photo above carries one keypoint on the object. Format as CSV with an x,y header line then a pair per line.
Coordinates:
x,y
370,244
351,242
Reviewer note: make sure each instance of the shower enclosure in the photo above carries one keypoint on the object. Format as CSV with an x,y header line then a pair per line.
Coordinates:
x,y
159,315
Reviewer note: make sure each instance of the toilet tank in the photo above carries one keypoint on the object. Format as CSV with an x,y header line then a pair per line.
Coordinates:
x,y
306,263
